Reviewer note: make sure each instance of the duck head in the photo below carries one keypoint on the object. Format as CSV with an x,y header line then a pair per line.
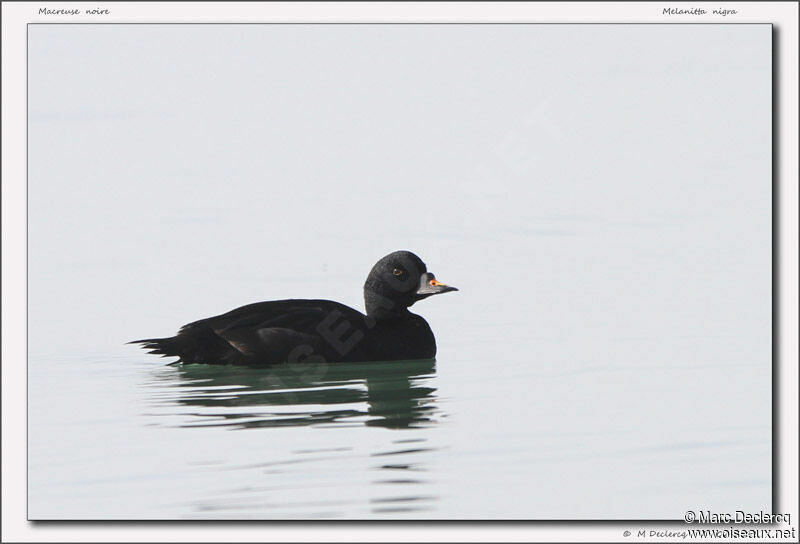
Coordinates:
x,y
396,282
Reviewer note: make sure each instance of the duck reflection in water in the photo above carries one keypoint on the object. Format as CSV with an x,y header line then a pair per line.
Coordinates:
x,y
396,396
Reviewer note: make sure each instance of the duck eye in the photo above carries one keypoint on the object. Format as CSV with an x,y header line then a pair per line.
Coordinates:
x,y
397,272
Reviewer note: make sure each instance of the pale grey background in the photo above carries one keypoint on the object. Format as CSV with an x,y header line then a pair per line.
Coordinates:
x,y
600,193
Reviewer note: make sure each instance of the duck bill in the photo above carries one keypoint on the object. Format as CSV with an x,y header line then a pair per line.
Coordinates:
x,y
428,286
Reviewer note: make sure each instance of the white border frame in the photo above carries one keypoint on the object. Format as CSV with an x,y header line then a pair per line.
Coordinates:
x,y
16,16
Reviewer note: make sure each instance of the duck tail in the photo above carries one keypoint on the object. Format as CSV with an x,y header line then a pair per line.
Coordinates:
x,y
166,347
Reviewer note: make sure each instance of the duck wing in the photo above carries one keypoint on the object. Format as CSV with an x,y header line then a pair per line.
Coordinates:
x,y
277,331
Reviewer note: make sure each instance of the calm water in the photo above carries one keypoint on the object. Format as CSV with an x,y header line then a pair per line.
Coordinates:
x,y
560,431
607,355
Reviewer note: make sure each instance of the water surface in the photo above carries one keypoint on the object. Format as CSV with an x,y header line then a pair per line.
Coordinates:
x,y
600,194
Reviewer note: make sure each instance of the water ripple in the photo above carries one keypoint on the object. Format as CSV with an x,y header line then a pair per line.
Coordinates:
x,y
393,395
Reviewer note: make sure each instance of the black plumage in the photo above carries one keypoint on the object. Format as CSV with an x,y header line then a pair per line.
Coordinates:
x,y
318,331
